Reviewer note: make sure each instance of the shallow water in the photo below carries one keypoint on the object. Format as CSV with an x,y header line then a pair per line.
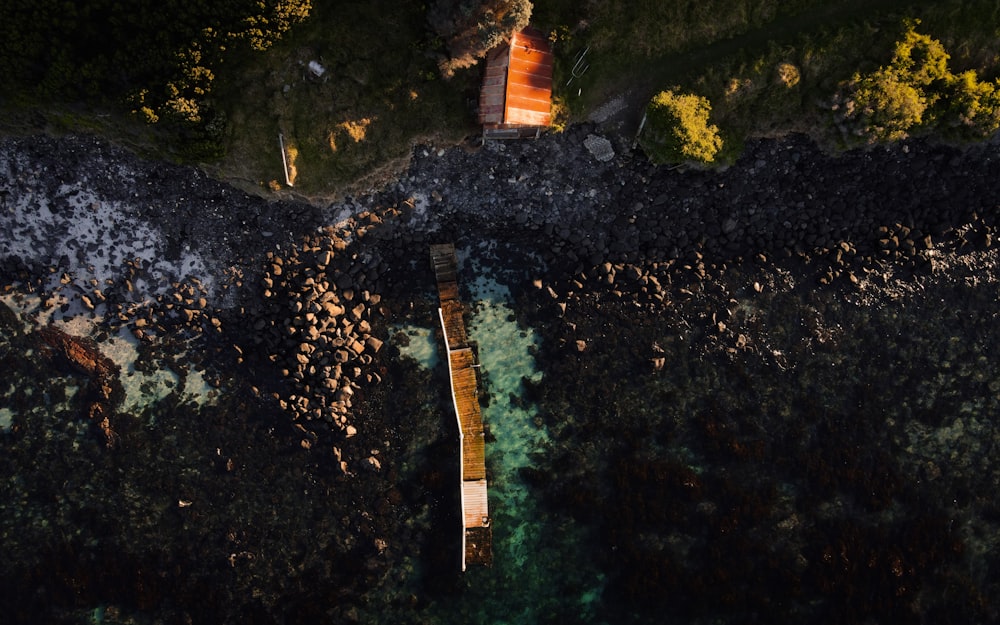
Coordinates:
x,y
855,433
538,572
532,554
144,380
842,469
419,345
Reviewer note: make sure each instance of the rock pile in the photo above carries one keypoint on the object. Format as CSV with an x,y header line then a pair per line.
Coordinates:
x,y
600,147
185,309
315,325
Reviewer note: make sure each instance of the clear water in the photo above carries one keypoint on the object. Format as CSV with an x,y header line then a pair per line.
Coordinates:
x,y
913,378
420,345
6,417
537,572
144,386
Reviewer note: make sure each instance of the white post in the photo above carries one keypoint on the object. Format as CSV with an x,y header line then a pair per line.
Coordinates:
x,y
284,158
638,133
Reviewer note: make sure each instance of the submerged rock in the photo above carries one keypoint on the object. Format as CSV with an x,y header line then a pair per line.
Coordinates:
x,y
104,390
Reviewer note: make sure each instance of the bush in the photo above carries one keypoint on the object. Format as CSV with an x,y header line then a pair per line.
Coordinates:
x,y
885,106
917,91
677,129
974,104
888,103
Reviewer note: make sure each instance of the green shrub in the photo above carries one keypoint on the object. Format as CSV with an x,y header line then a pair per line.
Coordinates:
x,y
105,53
678,130
974,105
887,104
917,91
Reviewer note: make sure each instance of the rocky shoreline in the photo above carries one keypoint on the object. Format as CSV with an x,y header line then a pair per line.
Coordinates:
x,y
857,217
289,306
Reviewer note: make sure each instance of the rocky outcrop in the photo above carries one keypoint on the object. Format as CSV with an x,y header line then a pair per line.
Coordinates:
x,y
632,264
82,356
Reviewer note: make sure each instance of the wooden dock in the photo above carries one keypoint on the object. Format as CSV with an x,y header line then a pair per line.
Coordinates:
x,y
477,536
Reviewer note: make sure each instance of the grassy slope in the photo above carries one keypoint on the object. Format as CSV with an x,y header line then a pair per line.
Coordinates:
x,y
736,66
381,91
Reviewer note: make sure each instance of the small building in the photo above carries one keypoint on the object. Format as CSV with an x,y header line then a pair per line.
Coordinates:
x,y
516,97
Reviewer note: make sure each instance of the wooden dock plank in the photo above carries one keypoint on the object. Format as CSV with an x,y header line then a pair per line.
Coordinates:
x,y
477,512
454,324
479,545
474,457
445,262
448,292
477,536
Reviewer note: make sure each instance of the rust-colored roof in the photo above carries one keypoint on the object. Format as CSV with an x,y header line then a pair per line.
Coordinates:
x,y
517,88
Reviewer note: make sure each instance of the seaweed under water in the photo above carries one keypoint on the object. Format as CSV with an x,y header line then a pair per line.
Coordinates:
x,y
833,465
843,471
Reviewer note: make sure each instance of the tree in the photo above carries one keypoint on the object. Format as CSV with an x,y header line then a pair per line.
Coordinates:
x,y
274,19
921,59
678,129
916,90
886,105
470,28
160,57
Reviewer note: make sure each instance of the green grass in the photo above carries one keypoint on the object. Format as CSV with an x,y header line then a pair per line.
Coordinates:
x,y
381,92
636,45
736,62
382,76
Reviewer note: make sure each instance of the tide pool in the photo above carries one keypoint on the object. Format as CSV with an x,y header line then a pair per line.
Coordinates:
x,y
420,344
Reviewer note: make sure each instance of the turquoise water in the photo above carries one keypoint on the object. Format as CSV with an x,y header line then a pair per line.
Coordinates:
x,y
144,381
704,488
537,573
865,431
420,345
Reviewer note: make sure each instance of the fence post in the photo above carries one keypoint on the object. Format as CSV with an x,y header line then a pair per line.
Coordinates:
x,y
284,158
